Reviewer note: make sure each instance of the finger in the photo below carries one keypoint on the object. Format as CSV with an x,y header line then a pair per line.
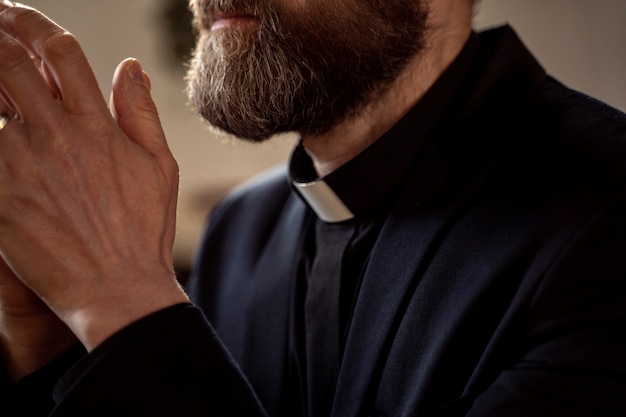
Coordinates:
x,y
21,83
136,114
61,54
45,72
134,109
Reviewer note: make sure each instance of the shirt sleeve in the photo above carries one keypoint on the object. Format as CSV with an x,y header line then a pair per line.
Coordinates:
x,y
170,363
32,395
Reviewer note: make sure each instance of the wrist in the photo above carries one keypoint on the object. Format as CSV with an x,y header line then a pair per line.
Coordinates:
x,y
97,321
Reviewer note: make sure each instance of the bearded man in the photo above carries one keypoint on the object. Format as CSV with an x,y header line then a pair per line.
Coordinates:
x,y
446,240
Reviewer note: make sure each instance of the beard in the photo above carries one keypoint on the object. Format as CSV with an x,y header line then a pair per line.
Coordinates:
x,y
304,70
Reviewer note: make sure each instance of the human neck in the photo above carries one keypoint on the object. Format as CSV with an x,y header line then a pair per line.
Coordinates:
x,y
449,30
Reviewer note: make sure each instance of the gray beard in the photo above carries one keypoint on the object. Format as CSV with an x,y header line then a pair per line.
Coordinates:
x,y
306,77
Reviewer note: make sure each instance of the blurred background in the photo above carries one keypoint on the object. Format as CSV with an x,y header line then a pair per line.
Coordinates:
x,y
581,42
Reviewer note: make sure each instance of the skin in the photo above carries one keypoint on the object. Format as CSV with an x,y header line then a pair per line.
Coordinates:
x,y
103,243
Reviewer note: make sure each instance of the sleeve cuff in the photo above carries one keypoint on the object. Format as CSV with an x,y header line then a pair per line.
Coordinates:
x,y
165,363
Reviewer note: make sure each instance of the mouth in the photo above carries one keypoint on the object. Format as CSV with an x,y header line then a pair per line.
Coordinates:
x,y
220,20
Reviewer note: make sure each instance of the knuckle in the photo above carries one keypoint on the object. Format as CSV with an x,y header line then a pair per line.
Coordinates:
x,y
20,16
171,165
12,55
175,168
49,40
171,168
62,43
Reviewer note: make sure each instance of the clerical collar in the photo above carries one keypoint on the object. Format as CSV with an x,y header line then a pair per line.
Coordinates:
x,y
364,184
316,192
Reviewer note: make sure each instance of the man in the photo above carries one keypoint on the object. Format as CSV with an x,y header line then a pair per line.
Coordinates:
x,y
446,242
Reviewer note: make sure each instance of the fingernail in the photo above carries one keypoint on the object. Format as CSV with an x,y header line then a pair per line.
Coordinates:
x,y
136,72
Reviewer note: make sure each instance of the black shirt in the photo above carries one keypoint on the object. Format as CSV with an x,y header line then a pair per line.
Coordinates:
x,y
366,185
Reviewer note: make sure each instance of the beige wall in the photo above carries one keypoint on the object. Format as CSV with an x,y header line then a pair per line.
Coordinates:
x,y
582,42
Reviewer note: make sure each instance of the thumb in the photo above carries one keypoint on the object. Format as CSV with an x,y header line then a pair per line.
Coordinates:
x,y
133,108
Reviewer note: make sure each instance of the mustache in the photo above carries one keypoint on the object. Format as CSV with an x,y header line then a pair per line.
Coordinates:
x,y
208,7
269,13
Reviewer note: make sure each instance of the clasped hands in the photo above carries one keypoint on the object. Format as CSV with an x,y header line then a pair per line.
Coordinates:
x,y
87,193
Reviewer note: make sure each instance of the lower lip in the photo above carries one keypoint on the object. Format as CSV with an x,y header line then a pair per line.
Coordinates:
x,y
234,22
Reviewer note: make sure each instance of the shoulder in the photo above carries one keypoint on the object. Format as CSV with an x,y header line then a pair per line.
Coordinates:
x,y
581,136
239,226
572,117
577,114
247,214
264,193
